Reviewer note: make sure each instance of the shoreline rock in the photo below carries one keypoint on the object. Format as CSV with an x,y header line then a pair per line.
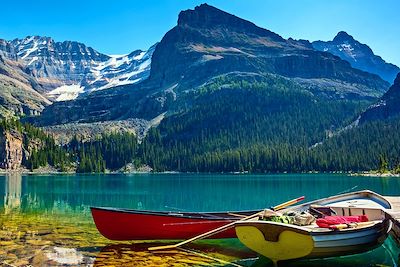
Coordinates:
x,y
376,174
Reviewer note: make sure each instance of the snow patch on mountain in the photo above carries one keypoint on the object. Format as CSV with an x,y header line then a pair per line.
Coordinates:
x,y
140,56
121,70
29,47
66,92
348,49
33,60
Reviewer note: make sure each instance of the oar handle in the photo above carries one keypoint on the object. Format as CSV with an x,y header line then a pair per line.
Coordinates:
x,y
288,203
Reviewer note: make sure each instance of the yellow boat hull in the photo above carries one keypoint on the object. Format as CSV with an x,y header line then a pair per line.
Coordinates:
x,y
278,241
290,244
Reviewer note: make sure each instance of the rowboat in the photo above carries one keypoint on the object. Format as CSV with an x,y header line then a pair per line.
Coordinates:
x,y
281,241
128,224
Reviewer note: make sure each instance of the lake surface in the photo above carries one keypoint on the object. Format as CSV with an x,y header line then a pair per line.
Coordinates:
x,y
45,219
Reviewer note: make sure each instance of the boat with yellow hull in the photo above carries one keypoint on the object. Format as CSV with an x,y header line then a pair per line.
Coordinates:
x,y
282,241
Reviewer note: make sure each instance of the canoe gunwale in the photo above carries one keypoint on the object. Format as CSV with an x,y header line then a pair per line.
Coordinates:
x,y
187,215
342,197
313,231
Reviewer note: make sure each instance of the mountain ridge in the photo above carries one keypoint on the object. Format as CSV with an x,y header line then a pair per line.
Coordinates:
x,y
68,69
359,55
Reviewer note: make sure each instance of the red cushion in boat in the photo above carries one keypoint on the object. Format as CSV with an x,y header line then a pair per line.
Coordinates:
x,y
327,221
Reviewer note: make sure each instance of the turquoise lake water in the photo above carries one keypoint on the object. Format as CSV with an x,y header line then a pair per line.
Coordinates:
x,y
45,219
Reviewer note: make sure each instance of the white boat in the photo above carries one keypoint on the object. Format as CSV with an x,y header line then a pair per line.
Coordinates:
x,y
282,241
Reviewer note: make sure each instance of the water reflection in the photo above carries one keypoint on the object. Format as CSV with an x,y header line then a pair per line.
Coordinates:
x,y
12,195
176,192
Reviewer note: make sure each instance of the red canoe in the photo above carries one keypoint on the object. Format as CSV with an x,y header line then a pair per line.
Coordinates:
x,y
125,224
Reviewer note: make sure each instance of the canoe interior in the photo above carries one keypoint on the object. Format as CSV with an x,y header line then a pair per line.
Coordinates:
x,y
279,241
365,198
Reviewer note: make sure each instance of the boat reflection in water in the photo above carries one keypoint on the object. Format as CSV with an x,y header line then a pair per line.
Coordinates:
x,y
230,253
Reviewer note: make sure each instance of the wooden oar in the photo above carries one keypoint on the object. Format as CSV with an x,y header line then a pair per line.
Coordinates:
x,y
227,226
288,203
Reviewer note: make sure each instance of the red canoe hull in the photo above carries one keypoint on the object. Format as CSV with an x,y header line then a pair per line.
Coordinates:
x,y
121,224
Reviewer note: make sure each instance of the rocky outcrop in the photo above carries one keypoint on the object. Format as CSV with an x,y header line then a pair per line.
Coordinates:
x,y
7,49
19,91
88,131
11,150
387,107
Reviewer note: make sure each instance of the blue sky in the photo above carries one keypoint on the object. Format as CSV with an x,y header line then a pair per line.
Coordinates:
x,y
121,26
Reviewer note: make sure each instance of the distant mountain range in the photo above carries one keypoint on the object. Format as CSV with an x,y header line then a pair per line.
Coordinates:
x,y
65,70
359,55
61,71
206,44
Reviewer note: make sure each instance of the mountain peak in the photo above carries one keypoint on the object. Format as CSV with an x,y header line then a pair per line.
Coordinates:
x,y
205,15
359,55
343,36
32,39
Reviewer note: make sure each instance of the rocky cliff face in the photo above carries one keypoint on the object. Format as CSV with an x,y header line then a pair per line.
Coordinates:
x,y
11,150
387,107
207,43
7,50
19,91
359,55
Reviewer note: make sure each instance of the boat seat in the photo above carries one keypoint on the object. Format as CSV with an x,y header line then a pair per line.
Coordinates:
x,y
315,228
